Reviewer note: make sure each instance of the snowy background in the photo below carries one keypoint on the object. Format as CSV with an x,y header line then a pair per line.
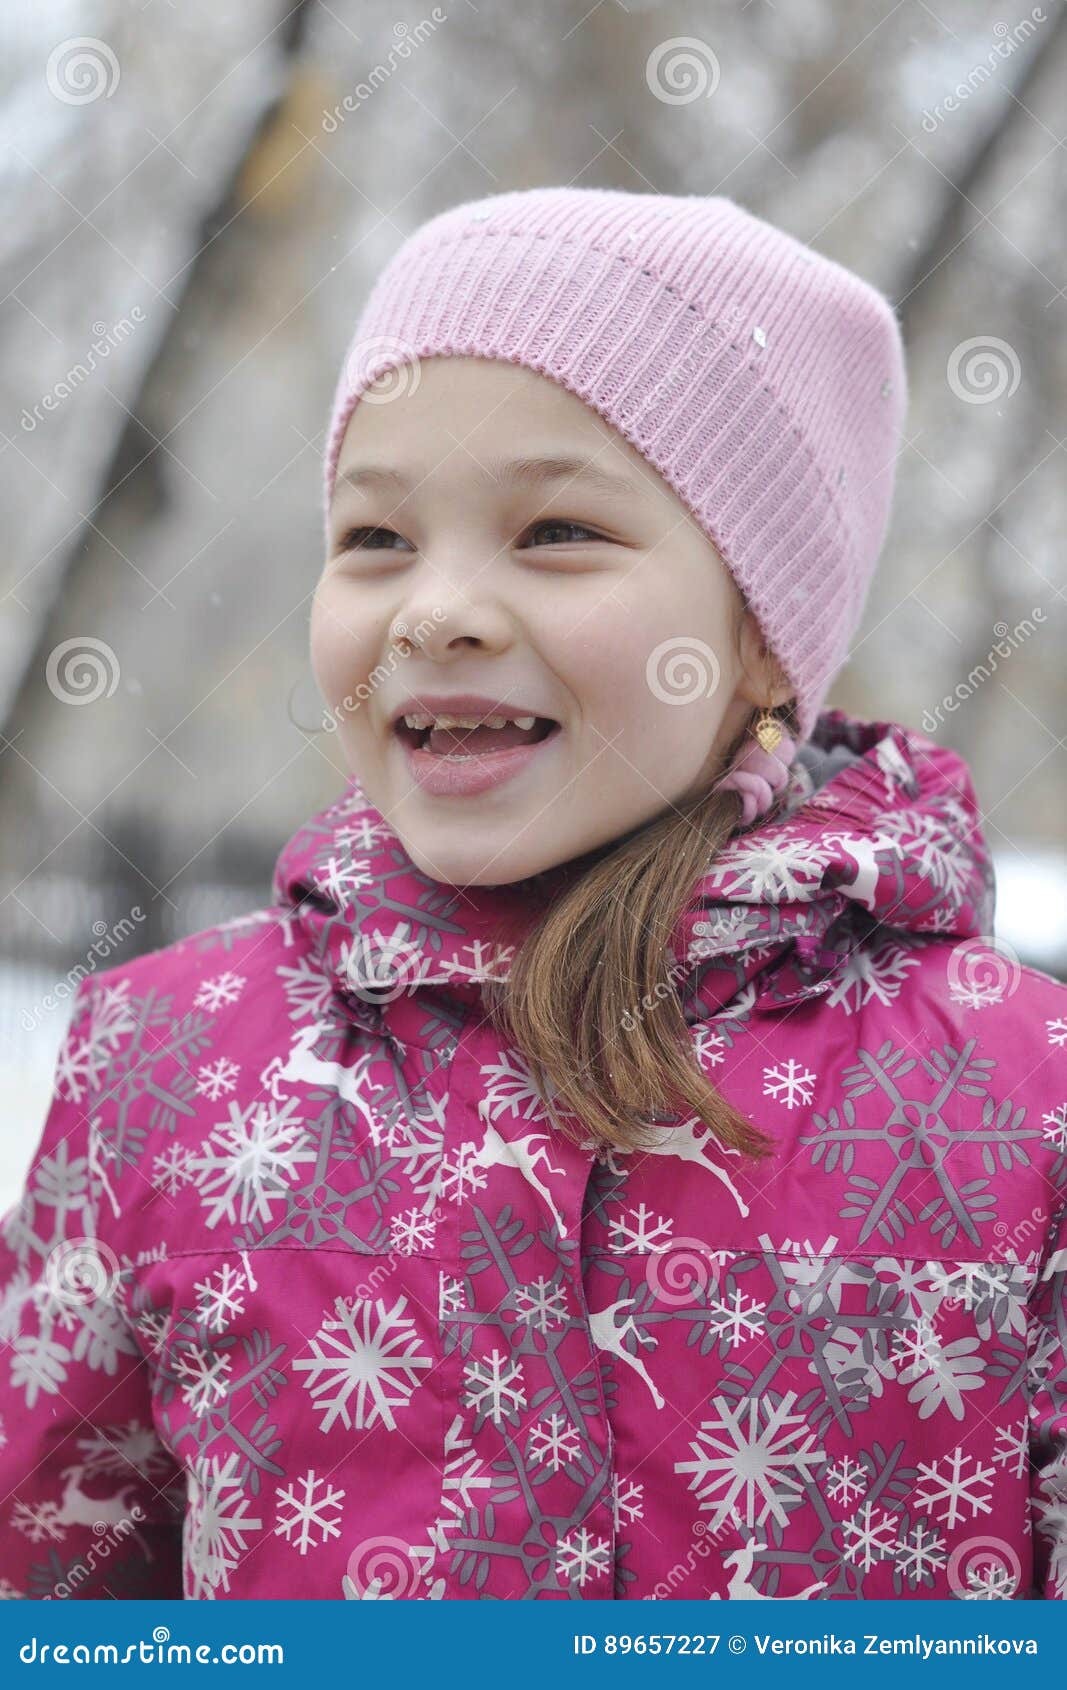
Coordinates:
x,y
192,218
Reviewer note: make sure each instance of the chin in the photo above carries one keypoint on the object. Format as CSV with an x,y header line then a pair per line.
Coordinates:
x,y
459,864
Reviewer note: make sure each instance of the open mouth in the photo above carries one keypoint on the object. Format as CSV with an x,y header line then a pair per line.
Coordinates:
x,y
459,743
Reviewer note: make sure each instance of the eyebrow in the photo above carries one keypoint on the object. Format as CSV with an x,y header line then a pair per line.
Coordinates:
x,y
514,472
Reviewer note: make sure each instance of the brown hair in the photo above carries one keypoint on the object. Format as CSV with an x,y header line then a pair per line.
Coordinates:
x,y
574,1002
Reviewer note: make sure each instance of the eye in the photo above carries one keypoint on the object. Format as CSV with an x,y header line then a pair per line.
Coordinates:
x,y
367,540
562,531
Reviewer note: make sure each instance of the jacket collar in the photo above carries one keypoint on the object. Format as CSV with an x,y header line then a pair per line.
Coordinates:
x,y
878,835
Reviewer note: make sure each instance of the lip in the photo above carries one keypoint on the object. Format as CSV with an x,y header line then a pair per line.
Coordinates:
x,y
463,704
463,777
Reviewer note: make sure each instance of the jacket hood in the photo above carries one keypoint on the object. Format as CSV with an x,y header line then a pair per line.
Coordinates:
x,y
878,834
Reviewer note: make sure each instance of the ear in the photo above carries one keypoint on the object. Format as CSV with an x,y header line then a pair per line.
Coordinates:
x,y
762,680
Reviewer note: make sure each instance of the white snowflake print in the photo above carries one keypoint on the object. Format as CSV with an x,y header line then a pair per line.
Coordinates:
x,y
709,1046
366,1364
541,1304
755,1447
627,1501
771,869
789,1083
340,877
1012,1449
730,1319
80,1061
920,1552
846,1481
220,1296
246,1162
216,1078
580,1556
205,1376
554,1440
870,975
461,1174
152,1326
215,994
948,1482
1057,1031
170,1170
509,1087
1055,1126
450,1299
915,1347
481,961
40,1521
309,1513
988,1578
308,991
869,1536
494,1387
412,1232
217,1524
641,1231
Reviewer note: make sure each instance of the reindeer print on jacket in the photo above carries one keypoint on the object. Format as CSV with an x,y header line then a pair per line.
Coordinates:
x,y
307,1292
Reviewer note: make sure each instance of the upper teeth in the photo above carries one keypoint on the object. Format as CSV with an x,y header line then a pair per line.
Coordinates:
x,y
525,722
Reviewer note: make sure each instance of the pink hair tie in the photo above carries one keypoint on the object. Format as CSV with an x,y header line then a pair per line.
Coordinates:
x,y
758,776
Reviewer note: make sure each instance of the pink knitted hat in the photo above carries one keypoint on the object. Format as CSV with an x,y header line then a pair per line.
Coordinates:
x,y
764,382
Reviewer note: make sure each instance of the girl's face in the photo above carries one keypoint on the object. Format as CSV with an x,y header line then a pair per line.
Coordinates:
x,y
534,558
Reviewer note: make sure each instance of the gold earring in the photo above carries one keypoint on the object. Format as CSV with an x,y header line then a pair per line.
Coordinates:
x,y
768,729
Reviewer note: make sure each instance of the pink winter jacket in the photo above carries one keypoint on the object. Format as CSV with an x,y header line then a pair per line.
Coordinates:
x,y
305,1296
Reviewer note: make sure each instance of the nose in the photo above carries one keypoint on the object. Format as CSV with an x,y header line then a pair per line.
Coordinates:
x,y
443,622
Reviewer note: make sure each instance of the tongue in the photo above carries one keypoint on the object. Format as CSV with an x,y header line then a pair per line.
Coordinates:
x,y
458,742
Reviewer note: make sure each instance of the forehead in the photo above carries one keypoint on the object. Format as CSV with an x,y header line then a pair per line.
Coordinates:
x,y
465,407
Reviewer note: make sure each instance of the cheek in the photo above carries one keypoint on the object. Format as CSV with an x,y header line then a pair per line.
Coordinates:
x,y
338,654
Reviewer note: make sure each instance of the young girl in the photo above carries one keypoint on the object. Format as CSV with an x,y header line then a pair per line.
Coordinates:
x,y
620,1161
